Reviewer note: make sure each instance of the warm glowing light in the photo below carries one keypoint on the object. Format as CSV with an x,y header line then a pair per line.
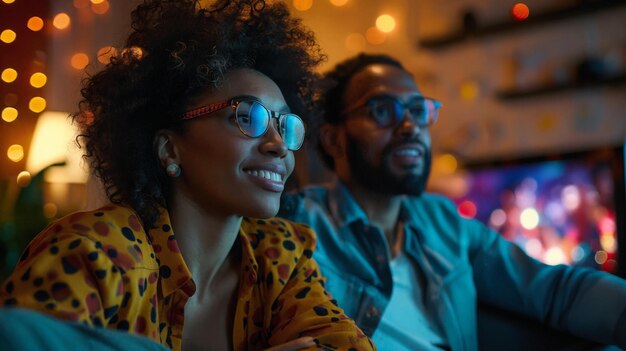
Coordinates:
x,y
23,179
447,164
15,153
529,218
467,209
35,24
9,75
469,90
8,1
81,4
302,5
355,42
61,21
497,217
37,104
8,36
338,2
50,210
385,23
105,53
79,60
53,141
606,225
601,257
374,36
520,11
608,243
100,8
96,2
9,114
134,51
554,256
38,80
570,196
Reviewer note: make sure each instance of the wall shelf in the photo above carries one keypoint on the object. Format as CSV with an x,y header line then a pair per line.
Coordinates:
x,y
513,94
583,8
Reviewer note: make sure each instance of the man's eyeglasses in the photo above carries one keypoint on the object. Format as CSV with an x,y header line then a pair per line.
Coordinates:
x,y
388,111
253,120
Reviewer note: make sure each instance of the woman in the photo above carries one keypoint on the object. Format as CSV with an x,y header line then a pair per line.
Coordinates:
x,y
190,130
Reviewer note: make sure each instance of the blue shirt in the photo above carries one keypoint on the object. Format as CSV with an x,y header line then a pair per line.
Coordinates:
x,y
463,262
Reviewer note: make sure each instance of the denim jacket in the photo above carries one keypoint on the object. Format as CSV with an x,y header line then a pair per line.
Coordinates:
x,y
463,262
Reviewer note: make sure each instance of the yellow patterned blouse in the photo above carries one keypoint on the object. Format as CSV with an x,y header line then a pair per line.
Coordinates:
x,y
103,269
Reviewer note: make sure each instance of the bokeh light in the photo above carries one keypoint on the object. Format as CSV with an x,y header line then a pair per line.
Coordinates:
x,y
79,60
61,21
467,209
601,257
497,218
385,23
355,42
96,2
8,36
8,1
50,210
469,90
9,75
9,114
374,36
37,104
302,5
38,80
529,218
447,163
105,53
35,24
100,8
554,256
23,179
15,152
338,2
520,11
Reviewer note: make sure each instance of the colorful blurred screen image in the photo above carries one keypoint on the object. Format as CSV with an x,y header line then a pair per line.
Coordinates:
x,y
559,210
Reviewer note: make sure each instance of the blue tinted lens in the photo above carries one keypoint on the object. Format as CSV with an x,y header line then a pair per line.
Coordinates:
x,y
252,118
292,131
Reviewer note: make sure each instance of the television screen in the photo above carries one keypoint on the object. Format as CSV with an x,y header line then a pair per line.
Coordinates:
x,y
559,209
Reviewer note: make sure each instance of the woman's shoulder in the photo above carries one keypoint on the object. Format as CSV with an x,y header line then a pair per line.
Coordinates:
x,y
114,230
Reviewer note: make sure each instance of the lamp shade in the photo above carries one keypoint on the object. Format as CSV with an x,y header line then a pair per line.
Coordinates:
x,y
53,142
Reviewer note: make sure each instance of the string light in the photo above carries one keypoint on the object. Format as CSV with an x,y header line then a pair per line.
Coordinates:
x,y
100,8
374,36
61,21
385,23
520,11
15,153
8,36
302,5
35,24
9,114
105,53
79,60
355,42
38,80
23,179
9,75
37,104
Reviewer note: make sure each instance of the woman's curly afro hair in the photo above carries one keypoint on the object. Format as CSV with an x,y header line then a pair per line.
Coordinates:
x,y
177,50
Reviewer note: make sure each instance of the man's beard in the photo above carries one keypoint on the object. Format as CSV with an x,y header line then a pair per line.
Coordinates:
x,y
380,179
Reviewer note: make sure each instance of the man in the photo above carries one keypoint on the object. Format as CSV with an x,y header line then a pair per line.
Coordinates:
x,y
402,262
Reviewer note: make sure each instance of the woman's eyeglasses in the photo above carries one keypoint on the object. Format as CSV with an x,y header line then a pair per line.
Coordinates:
x,y
253,120
388,111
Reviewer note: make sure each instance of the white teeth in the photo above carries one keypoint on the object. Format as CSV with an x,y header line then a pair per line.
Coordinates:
x,y
408,152
273,176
